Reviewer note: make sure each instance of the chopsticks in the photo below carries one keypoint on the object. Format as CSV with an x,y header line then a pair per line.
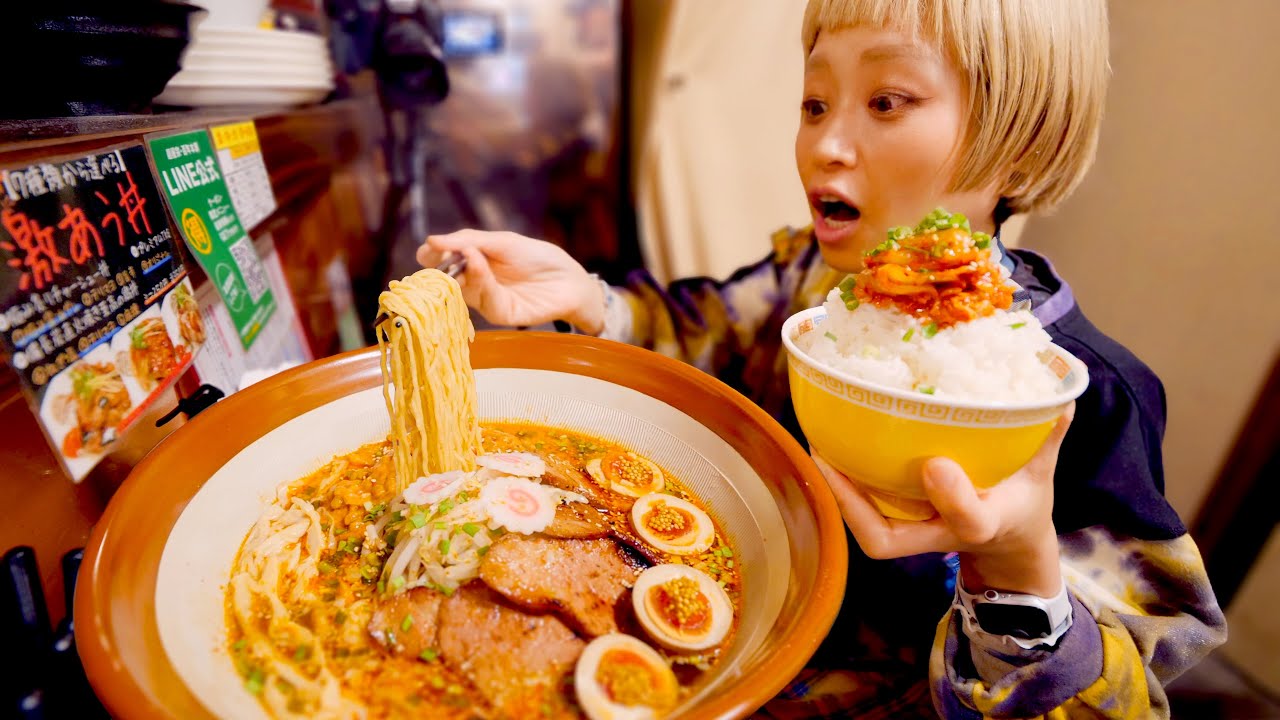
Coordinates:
x,y
453,264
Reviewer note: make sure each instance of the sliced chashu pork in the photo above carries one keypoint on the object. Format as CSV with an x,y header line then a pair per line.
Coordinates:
x,y
588,581
578,521
518,661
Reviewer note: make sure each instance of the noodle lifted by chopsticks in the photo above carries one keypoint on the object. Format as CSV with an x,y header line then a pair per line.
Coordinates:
x,y
426,355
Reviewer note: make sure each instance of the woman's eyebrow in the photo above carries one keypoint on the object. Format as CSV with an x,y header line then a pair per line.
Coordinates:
x,y
899,51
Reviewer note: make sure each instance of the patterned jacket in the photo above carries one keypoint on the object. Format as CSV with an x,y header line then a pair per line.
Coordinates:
x,y
1143,608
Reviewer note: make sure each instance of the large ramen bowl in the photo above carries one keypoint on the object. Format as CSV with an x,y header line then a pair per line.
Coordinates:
x,y
882,436
150,618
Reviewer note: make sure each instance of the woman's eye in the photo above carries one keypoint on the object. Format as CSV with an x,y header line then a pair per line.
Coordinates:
x,y
888,103
813,108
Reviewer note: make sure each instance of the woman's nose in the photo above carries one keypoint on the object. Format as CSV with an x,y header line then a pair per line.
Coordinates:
x,y
835,143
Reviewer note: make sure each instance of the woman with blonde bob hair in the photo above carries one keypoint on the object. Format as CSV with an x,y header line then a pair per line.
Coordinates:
x,y
1071,589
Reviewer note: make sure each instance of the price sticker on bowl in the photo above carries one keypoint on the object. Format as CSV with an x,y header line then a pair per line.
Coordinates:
x,y
96,311
201,203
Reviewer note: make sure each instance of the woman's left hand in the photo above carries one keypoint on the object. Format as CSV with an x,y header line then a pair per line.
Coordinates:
x,y
1005,535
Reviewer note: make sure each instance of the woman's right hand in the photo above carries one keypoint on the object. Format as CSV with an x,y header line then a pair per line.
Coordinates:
x,y
513,280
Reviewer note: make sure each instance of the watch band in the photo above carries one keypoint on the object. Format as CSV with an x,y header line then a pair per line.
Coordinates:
x,y
1057,611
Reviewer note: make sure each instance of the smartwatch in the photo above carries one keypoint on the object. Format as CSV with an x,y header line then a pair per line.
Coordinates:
x,y
1014,620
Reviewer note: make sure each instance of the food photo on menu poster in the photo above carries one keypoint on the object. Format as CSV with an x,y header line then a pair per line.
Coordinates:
x,y
97,314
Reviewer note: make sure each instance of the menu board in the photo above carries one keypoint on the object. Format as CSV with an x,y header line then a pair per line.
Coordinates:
x,y
201,203
96,313
240,157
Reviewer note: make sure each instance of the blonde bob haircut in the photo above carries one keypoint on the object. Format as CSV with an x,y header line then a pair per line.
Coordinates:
x,y
1036,73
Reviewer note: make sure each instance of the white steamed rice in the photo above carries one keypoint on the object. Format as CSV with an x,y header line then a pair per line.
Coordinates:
x,y
991,359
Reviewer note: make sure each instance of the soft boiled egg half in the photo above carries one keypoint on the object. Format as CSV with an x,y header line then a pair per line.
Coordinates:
x,y
672,525
620,678
626,473
681,608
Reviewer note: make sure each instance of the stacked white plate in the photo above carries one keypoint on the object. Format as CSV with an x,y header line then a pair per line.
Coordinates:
x,y
250,66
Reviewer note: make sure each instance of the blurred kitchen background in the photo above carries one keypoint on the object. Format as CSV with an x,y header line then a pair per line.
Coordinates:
x,y
659,132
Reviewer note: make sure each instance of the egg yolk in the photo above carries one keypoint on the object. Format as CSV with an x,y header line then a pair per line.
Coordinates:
x,y
627,678
668,522
625,469
682,604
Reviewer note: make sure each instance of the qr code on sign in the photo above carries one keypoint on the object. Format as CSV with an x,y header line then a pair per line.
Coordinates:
x,y
250,268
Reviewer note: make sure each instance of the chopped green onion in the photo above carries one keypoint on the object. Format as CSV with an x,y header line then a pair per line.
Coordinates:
x,y
726,552
339,617
397,515
255,682
391,537
444,546
448,592
382,588
907,337
847,284
437,682
238,645
931,329
302,653
397,582
927,389
1015,326
445,506
851,304
482,551
728,563
830,336
418,520
442,525
470,528
406,623
428,655
463,497
326,567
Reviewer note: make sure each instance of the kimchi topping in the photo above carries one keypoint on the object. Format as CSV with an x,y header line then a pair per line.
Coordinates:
x,y
939,272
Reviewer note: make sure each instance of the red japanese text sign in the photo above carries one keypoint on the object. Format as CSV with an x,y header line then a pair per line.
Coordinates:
x,y
96,313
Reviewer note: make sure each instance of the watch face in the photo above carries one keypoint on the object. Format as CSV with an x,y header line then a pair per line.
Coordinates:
x,y
1020,621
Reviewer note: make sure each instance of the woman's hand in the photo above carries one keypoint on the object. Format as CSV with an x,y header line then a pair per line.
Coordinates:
x,y
1005,535
517,281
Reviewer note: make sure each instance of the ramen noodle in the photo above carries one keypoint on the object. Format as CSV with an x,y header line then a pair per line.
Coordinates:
x,y
426,370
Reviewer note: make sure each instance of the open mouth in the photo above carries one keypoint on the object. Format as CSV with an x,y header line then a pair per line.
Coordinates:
x,y
835,209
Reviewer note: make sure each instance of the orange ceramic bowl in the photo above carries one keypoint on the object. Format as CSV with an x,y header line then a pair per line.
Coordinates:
x,y
149,624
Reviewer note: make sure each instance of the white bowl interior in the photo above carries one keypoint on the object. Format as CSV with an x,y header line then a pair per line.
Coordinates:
x,y
197,558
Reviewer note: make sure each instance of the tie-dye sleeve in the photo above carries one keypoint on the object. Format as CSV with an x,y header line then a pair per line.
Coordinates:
x,y
1144,612
705,322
